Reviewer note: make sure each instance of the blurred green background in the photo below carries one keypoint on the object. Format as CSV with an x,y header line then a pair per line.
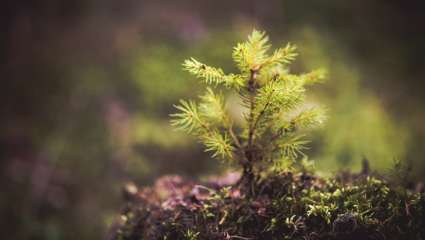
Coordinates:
x,y
87,86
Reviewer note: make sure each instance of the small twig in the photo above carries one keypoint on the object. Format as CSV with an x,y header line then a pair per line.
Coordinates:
x,y
263,110
239,237
234,137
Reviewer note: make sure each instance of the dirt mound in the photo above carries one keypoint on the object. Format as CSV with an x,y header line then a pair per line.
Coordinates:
x,y
284,206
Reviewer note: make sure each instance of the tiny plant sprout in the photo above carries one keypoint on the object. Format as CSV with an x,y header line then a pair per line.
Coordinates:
x,y
273,98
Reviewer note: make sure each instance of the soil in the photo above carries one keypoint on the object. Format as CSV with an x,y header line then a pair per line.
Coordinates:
x,y
276,206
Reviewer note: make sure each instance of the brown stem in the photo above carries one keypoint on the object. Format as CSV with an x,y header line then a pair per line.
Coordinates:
x,y
252,90
247,174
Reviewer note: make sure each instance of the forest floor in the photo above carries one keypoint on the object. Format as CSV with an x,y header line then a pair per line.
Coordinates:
x,y
277,206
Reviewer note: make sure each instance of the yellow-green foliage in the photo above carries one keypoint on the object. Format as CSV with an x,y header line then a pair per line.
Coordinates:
x,y
273,99
359,124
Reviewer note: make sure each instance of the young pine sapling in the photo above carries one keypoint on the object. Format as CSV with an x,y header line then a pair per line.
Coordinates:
x,y
274,108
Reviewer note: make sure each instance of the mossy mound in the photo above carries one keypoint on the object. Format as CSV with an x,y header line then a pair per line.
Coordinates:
x,y
284,206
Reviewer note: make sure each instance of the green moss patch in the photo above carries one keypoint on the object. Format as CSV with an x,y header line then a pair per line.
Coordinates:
x,y
279,206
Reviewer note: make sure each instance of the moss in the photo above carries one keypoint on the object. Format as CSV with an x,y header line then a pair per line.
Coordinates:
x,y
282,206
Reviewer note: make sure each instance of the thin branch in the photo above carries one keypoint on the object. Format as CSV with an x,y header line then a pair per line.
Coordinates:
x,y
263,110
234,137
277,135
239,237
268,102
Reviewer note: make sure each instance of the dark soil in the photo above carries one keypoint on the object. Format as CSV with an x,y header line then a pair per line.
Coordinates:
x,y
278,206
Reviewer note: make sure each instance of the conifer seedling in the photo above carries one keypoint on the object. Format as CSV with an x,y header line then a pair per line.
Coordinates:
x,y
273,99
